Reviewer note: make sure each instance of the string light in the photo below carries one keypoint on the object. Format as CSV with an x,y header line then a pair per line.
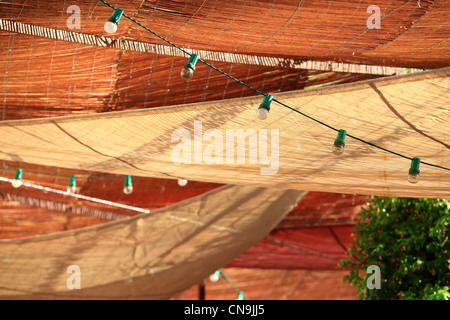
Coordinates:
x,y
215,276
72,187
127,186
188,70
89,177
72,178
79,196
414,171
264,107
339,143
113,22
17,182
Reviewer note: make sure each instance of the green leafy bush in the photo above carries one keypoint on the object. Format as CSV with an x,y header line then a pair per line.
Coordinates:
x,y
409,240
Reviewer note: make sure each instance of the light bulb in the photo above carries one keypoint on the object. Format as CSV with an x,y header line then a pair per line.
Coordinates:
x,y
187,73
264,107
127,186
188,70
182,182
413,178
16,183
262,113
338,149
128,189
413,174
72,189
215,276
110,27
339,143
113,22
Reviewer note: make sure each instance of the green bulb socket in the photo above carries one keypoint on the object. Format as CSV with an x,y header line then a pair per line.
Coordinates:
x,y
18,174
266,102
115,18
127,181
192,61
414,170
72,181
340,140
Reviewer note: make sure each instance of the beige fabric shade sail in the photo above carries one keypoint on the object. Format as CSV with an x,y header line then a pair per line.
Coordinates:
x,y
407,114
149,256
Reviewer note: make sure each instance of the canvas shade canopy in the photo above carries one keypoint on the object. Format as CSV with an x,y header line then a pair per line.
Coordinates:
x,y
149,256
407,114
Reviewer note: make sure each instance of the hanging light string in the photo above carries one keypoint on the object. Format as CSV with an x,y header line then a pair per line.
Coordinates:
x,y
181,49
79,196
215,277
277,101
63,175
127,187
